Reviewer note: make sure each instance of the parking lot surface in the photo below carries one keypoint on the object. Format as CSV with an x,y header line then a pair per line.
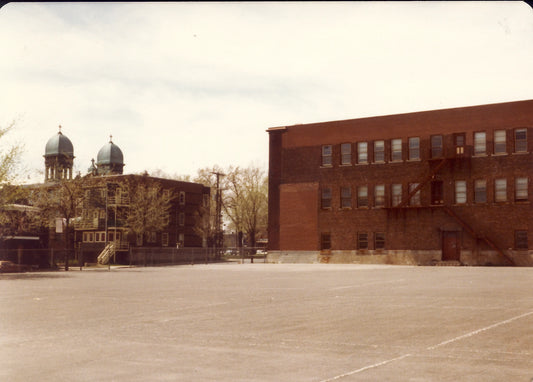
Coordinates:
x,y
268,322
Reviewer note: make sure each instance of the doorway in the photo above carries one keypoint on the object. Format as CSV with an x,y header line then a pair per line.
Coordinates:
x,y
451,246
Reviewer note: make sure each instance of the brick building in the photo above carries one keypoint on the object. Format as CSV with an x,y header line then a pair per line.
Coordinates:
x,y
418,188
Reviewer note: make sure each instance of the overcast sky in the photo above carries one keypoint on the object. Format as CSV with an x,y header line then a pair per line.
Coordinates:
x,y
182,86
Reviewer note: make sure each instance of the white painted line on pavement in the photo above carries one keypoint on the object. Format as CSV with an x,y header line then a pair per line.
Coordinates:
x,y
480,330
366,368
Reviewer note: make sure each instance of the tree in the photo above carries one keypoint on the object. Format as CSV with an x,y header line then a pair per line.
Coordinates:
x,y
246,200
9,157
62,200
149,206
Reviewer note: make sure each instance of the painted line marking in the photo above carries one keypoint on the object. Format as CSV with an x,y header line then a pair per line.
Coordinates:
x,y
480,330
366,368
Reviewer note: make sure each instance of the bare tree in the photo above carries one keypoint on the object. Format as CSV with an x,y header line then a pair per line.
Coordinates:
x,y
149,206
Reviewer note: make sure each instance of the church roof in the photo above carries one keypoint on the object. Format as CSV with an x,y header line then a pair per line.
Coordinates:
x,y
110,154
59,144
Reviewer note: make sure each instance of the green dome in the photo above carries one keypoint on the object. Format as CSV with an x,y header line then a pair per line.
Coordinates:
x,y
59,144
110,154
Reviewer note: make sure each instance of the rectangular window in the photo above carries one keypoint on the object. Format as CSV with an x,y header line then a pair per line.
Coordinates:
x,y
151,237
181,219
164,239
396,150
520,240
460,192
437,192
181,240
99,237
414,148
346,153
182,198
500,142
379,240
521,193
415,199
520,140
326,155
346,197
88,237
379,195
480,143
362,152
500,190
362,196
480,191
396,191
325,241
362,240
379,151
436,146
326,197
459,144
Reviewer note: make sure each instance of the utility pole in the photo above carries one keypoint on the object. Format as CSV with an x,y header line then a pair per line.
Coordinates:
x,y
219,236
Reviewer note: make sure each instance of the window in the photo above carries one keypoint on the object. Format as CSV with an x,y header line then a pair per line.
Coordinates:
x,y
379,151
182,198
99,237
521,189
164,239
460,192
379,240
437,192
181,240
362,240
480,143
362,152
379,195
520,140
396,150
346,153
326,155
362,196
480,191
436,146
500,142
325,241
139,239
396,191
151,237
181,219
459,140
88,237
415,199
346,197
414,148
520,240
326,197
500,190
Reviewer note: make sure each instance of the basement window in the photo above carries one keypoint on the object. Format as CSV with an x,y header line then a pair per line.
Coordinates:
x,y
379,240
362,240
325,241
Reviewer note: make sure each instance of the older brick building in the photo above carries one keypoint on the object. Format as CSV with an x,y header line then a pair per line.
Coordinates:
x,y
417,188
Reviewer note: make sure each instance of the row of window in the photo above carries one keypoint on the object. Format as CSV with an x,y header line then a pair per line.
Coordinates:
x,y
100,237
436,147
363,240
397,193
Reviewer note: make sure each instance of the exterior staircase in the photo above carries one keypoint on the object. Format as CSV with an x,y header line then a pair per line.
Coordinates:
x,y
105,255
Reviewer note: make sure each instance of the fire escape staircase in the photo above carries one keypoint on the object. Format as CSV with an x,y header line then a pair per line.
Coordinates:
x,y
105,255
449,211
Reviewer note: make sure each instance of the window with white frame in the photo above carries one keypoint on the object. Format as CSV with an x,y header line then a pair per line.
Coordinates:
x,y
327,152
521,185
480,143
362,196
500,190
88,237
480,191
396,191
346,153
326,197
414,148
520,140
396,150
379,195
346,197
500,142
460,191
362,152
379,151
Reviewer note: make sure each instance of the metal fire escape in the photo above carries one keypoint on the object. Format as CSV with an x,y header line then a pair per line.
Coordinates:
x,y
435,166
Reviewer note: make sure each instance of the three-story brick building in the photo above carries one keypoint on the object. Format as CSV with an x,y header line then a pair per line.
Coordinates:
x,y
416,188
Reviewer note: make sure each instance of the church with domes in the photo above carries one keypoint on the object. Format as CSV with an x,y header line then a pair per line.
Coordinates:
x,y
101,221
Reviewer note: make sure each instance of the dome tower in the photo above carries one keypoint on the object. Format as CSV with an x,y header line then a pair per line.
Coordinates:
x,y
110,160
58,158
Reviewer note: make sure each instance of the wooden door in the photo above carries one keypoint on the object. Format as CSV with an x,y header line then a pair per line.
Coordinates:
x,y
451,248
